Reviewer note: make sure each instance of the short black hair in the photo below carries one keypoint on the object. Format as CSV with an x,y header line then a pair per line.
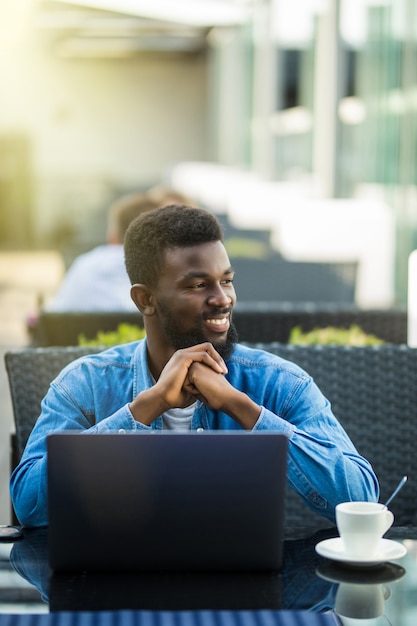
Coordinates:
x,y
173,226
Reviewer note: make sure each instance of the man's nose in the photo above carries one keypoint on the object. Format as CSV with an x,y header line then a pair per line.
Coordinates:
x,y
220,296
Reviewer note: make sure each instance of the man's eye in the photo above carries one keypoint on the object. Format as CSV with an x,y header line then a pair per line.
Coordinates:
x,y
227,281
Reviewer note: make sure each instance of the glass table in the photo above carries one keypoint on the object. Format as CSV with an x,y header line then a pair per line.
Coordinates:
x,y
385,593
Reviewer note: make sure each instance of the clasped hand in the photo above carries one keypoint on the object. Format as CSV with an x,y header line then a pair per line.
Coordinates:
x,y
194,373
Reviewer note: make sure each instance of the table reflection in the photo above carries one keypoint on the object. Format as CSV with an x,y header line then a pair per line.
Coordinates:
x,y
361,594
296,586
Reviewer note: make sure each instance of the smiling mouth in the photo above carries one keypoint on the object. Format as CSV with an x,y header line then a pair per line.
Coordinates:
x,y
217,322
220,323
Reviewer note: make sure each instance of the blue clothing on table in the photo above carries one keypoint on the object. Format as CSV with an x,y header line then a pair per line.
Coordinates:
x,y
93,394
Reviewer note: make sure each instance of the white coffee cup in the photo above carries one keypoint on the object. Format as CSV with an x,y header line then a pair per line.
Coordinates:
x,y
361,526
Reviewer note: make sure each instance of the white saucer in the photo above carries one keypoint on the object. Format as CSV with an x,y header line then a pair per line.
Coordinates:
x,y
334,549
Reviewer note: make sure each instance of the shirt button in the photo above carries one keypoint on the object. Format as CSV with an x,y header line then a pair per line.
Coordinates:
x,y
200,430
122,431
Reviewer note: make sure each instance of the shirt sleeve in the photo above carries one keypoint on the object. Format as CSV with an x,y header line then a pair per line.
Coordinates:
x,y
324,466
28,482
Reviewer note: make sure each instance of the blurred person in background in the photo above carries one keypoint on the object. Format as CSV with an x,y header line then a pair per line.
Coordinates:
x,y
97,280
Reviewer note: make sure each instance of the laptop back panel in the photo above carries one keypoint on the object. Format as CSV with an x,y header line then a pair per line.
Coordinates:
x,y
166,501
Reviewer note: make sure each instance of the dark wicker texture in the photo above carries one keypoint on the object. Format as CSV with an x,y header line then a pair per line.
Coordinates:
x,y
30,371
372,389
373,392
265,321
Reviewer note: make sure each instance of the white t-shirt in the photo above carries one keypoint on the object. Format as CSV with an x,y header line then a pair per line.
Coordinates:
x,y
178,419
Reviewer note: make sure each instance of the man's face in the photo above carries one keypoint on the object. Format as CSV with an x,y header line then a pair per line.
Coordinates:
x,y
195,297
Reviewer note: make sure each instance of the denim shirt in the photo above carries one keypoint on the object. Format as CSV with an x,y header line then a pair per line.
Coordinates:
x,y
93,394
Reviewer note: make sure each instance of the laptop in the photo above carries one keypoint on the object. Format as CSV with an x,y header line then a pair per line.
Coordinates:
x,y
212,501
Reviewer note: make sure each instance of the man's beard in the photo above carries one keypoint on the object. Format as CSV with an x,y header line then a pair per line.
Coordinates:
x,y
179,340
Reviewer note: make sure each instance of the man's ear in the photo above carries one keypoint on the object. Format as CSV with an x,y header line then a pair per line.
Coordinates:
x,y
142,296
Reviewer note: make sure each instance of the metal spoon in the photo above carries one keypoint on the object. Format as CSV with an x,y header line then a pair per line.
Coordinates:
x,y
396,490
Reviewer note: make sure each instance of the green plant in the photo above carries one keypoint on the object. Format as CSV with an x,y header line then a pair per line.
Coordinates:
x,y
125,333
352,336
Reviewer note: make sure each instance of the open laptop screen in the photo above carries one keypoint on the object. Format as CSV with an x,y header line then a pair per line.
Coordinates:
x,y
166,501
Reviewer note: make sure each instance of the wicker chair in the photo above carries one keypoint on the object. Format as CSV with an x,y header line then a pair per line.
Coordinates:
x,y
372,389
30,370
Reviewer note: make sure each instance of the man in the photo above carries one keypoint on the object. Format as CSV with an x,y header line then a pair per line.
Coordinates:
x,y
189,373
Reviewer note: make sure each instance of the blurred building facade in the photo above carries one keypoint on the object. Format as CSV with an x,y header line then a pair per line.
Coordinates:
x,y
96,101
333,89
